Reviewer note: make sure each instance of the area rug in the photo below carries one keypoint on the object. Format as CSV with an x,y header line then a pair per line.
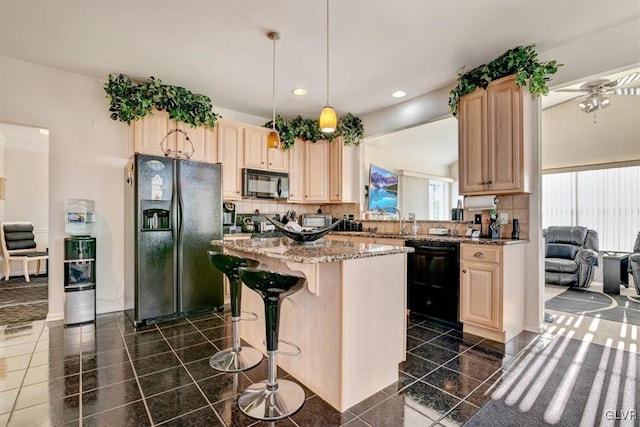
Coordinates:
x,y
22,301
617,308
568,383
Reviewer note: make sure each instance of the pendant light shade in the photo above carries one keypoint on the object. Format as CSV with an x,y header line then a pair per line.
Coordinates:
x,y
273,139
328,120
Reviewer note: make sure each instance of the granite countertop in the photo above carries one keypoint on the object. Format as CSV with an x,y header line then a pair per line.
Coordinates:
x,y
321,251
431,237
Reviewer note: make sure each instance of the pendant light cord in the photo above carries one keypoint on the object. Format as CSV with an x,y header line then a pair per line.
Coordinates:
x,y
273,126
327,52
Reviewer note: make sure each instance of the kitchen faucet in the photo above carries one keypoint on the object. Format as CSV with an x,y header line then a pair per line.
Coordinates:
x,y
396,210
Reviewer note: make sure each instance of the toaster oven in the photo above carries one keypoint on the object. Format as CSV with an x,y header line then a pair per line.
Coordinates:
x,y
315,220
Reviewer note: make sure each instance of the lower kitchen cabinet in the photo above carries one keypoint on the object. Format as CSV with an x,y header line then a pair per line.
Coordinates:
x,y
492,291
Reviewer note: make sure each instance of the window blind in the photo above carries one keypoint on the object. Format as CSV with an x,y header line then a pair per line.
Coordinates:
x,y
605,200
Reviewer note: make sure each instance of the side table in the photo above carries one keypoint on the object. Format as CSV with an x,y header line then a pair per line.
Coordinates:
x,y
615,271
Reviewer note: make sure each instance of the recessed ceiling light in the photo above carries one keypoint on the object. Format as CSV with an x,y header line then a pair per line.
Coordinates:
x,y
299,92
398,94
44,131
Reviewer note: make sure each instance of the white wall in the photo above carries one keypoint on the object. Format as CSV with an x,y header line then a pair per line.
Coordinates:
x,y
570,138
395,161
87,154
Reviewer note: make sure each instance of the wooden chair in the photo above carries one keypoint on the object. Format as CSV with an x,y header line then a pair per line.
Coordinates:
x,y
19,244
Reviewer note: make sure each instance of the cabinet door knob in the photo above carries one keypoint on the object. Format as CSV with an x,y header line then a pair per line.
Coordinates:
x,y
464,271
478,255
270,163
490,182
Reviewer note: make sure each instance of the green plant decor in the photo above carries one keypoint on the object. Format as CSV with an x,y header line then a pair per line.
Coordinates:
x,y
521,61
132,101
350,127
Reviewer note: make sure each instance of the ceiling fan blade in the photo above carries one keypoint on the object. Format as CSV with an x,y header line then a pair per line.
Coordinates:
x,y
625,91
572,90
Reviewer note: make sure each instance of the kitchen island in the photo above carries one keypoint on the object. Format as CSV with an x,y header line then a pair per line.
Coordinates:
x,y
349,321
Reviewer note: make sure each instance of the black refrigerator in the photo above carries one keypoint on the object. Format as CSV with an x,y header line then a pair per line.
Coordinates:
x,y
173,209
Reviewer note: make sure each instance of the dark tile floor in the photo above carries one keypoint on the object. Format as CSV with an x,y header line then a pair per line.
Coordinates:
x,y
109,373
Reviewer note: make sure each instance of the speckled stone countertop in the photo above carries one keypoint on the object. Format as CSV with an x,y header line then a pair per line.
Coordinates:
x,y
321,251
431,237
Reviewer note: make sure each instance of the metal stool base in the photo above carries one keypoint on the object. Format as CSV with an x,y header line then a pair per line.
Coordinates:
x,y
269,405
229,360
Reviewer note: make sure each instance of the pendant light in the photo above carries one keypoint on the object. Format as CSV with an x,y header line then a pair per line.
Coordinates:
x,y
328,120
273,139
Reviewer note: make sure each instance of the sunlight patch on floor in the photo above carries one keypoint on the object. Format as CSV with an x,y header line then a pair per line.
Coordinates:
x,y
554,411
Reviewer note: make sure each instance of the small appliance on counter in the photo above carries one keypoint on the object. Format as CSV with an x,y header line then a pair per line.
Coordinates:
x,y
315,220
515,234
229,217
440,231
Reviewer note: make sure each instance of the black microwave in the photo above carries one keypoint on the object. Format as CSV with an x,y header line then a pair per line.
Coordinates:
x,y
264,184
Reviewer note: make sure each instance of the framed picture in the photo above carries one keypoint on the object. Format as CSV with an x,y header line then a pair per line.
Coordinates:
x,y
383,188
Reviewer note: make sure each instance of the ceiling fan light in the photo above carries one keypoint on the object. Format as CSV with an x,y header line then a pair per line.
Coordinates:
x,y
328,119
273,139
604,102
584,104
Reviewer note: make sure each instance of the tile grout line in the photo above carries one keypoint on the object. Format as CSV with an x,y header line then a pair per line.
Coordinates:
x,y
15,402
191,376
135,373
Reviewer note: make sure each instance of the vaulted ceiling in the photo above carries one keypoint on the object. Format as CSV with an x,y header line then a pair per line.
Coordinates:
x,y
219,48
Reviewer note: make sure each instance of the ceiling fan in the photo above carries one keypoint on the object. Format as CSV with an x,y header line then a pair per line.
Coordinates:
x,y
597,91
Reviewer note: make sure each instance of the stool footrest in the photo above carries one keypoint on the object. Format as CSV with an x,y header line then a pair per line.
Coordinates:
x,y
287,353
253,317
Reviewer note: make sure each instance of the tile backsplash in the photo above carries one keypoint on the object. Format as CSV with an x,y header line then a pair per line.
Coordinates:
x,y
516,206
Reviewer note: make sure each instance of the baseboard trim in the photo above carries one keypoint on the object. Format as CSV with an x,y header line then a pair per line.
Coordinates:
x,y
54,316
532,328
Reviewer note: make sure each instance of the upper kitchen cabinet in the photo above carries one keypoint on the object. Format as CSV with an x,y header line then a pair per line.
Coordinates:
x,y
231,154
344,178
495,134
204,140
258,156
296,156
316,181
148,132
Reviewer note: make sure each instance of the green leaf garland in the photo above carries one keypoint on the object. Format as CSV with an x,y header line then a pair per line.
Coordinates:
x,y
130,101
521,61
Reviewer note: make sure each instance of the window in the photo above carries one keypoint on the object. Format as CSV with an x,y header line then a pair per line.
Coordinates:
x,y
438,193
605,200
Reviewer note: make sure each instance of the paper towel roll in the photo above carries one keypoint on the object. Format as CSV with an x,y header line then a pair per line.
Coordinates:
x,y
480,203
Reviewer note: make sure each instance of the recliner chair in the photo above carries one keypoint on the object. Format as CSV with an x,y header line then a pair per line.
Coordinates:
x,y
634,264
571,255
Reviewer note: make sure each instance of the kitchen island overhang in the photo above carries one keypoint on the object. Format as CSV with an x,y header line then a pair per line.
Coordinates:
x,y
350,320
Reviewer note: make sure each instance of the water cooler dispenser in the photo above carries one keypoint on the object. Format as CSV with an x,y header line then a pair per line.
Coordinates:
x,y
79,263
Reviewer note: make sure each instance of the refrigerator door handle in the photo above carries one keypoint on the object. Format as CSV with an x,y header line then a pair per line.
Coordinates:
x,y
177,194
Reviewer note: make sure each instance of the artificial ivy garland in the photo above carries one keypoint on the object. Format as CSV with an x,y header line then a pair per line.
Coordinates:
x,y
132,101
350,128
521,61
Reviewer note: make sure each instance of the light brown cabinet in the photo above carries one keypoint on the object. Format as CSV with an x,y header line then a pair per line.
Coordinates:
x,y
494,136
316,179
258,156
296,171
492,290
344,177
148,132
230,154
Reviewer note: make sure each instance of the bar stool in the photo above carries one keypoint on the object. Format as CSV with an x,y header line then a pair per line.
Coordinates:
x,y
236,358
272,399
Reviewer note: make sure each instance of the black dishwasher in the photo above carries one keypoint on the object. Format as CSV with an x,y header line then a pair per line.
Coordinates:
x,y
433,279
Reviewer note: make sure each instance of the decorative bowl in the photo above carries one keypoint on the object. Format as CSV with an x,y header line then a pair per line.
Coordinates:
x,y
303,236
